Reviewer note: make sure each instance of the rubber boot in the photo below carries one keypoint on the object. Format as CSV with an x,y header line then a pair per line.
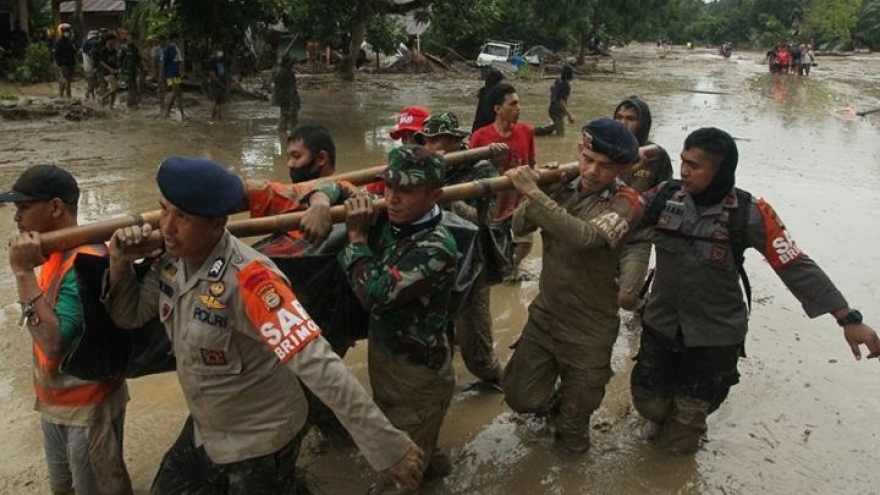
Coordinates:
x,y
684,430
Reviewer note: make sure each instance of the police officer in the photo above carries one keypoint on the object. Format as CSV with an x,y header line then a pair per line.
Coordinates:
x,y
402,271
241,339
696,320
573,321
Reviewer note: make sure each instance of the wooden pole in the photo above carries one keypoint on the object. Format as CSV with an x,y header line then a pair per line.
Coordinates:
x,y
64,239
290,221
454,159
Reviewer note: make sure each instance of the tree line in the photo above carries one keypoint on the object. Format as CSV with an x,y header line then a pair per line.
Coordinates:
x,y
463,25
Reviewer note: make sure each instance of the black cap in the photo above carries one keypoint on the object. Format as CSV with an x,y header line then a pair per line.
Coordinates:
x,y
611,138
41,183
200,186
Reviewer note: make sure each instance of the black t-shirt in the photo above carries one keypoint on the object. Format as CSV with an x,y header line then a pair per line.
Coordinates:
x,y
561,90
106,56
65,52
220,67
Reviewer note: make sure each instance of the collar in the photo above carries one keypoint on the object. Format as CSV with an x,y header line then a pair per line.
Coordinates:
x,y
214,266
729,202
603,195
428,220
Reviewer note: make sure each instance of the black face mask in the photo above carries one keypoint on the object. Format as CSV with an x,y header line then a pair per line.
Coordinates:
x,y
304,174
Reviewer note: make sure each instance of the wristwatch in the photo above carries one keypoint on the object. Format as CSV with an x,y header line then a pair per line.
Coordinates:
x,y
29,310
853,317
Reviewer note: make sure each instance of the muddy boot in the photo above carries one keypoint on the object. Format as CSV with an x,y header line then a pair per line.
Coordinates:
x,y
576,444
439,466
683,431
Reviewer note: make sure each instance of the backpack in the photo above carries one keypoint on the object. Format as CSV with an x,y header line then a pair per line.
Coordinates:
x,y
737,225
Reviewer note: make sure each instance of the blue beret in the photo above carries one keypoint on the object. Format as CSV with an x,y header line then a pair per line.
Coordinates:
x,y
613,139
199,186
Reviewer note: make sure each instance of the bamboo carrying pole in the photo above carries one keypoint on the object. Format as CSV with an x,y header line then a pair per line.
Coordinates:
x,y
63,239
467,190
101,231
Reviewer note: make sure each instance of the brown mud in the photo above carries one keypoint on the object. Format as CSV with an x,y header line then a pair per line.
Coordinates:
x,y
802,420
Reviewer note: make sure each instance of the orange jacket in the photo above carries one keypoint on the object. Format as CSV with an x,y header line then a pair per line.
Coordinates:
x,y
51,385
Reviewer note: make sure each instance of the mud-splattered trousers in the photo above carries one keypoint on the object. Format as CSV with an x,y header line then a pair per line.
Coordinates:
x,y
573,321
473,326
696,318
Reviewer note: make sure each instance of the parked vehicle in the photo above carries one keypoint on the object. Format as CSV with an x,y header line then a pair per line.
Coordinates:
x,y
498,51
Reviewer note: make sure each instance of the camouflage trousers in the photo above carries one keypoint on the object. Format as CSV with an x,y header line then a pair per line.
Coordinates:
x,y
473,331
529,382
413,397
187,470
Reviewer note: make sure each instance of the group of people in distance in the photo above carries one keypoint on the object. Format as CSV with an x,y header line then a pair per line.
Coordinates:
x,y
791,58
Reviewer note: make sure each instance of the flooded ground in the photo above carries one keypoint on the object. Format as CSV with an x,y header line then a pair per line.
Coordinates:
x,y
802,420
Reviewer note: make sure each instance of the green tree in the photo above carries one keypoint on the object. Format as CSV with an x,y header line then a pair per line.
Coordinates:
x,y
868,28
831,20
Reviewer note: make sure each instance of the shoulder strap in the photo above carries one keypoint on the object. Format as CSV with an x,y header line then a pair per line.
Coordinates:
x,y
739,222
659,202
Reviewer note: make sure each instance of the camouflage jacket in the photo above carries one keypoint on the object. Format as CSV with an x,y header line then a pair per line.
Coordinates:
x,y
129,60
404,277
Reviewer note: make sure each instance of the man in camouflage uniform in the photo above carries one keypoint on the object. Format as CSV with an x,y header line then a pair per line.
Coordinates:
x,y
473,325
130,65
403,270
573,321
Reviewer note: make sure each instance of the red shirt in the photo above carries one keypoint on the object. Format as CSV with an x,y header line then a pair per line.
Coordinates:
x,y
521,146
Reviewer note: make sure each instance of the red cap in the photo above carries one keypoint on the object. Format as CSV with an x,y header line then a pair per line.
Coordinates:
x,y
410,119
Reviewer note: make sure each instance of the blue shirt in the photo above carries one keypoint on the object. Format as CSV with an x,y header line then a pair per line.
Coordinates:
x,y
170,58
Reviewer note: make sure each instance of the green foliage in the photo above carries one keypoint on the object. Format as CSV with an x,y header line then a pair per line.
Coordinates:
x,y
464,28
8,96
831,19
868,28
150,18
36,66
773,31
384,34
40,15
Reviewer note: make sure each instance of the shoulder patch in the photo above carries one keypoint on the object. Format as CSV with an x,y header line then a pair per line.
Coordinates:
x,y
275,312
780,249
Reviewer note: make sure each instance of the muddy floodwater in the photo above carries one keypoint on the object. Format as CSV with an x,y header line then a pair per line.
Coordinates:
x,y
805,417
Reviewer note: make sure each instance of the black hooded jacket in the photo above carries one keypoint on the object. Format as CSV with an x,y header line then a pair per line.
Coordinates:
x,y
656,170
485,114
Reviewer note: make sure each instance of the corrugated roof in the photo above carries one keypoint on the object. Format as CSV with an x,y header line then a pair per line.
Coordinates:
x,y
69,7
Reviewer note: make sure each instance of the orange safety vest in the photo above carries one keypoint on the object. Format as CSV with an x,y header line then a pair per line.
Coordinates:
x,y
50,384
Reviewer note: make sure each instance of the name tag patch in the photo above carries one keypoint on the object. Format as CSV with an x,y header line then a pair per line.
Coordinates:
x,y
209,317
213,357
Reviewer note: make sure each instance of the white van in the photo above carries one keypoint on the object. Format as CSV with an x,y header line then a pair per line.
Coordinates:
x,y
498,51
